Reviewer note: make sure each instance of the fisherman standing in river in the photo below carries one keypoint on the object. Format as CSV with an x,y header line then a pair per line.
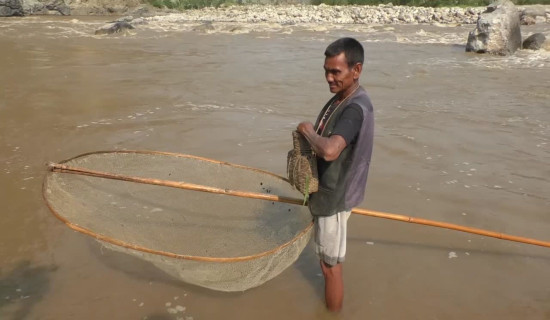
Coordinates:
x,y
342,141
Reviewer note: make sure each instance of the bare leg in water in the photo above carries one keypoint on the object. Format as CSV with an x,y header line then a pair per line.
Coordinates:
x,y
334,286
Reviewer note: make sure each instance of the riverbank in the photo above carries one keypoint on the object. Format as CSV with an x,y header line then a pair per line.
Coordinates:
x,y
283,14
288,15
299,14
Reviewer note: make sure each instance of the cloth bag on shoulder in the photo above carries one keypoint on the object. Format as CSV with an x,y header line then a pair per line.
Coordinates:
x,y
302,165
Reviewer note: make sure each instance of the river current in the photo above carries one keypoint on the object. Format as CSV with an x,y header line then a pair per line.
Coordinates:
x,y
460,138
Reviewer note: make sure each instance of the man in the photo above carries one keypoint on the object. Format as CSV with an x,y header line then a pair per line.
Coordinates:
x,y
342,141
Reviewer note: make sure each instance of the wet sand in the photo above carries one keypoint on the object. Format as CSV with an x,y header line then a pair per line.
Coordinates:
x,y
460,138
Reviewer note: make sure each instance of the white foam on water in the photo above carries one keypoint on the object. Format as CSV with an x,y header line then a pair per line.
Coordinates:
x,y
180,308
521,59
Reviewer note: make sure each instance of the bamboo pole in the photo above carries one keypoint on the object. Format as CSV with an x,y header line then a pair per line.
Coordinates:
x,y
262,196
173,184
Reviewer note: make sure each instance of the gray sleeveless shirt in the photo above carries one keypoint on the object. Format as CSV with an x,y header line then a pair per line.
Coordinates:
x,y
342,182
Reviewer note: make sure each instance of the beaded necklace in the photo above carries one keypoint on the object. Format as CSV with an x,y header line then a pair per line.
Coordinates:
x,y
330,111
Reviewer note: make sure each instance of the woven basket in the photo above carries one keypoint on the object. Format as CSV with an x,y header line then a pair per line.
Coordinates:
x,y
302,165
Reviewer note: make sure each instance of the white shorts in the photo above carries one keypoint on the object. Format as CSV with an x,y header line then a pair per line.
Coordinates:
x,y
330,237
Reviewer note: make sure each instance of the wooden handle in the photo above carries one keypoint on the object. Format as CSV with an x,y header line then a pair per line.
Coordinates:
x,y
270,197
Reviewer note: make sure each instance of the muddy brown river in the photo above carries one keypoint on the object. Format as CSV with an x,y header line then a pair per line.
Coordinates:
x,y
460,138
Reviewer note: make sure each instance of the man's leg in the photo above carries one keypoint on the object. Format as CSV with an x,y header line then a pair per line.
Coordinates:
x,y
334,286
330,246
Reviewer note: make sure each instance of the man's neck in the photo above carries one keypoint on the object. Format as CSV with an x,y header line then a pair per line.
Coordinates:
x,y
346,93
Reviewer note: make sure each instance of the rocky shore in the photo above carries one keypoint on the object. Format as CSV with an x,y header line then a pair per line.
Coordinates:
x,y
299,14
282,14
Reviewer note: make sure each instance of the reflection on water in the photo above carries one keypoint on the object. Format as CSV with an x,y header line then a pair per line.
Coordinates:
x,y
459,137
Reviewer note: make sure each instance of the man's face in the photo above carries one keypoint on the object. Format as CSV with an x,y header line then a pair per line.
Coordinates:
x,y
339,76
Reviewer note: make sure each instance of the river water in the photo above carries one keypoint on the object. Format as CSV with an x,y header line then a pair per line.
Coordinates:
x,y
461,138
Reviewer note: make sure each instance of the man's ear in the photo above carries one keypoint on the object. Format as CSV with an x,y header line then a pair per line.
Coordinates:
x,y
357,68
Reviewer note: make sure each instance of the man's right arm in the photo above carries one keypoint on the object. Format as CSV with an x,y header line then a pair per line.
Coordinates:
x,y
328,148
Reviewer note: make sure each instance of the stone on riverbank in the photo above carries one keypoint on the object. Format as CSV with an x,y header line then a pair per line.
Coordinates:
x,y
49,7
83,7
534,41
136,8
534,14
497,31
10,8
59,6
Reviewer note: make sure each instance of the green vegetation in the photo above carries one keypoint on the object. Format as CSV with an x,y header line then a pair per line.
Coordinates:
x,y
197,4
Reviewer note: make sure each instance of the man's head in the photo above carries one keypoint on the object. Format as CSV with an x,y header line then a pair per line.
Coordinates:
x,y
351,48
343,65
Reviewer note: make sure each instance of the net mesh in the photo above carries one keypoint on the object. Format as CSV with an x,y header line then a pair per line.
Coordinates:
x,y
216,241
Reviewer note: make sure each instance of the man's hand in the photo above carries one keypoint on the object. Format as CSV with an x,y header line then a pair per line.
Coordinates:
x,y
304,127
326,148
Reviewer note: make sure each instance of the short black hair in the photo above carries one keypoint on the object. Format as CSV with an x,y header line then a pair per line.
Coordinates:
x,y
352,49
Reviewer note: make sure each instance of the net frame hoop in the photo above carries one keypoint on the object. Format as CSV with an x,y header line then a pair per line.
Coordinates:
x,y
127,245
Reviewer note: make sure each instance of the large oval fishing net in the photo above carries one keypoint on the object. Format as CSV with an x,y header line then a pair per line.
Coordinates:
x,y
139,203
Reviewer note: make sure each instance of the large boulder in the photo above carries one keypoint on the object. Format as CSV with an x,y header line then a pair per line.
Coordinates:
x,y
58,6
46,7
104,7
497,30
33,7
534,42
83,7
10,8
